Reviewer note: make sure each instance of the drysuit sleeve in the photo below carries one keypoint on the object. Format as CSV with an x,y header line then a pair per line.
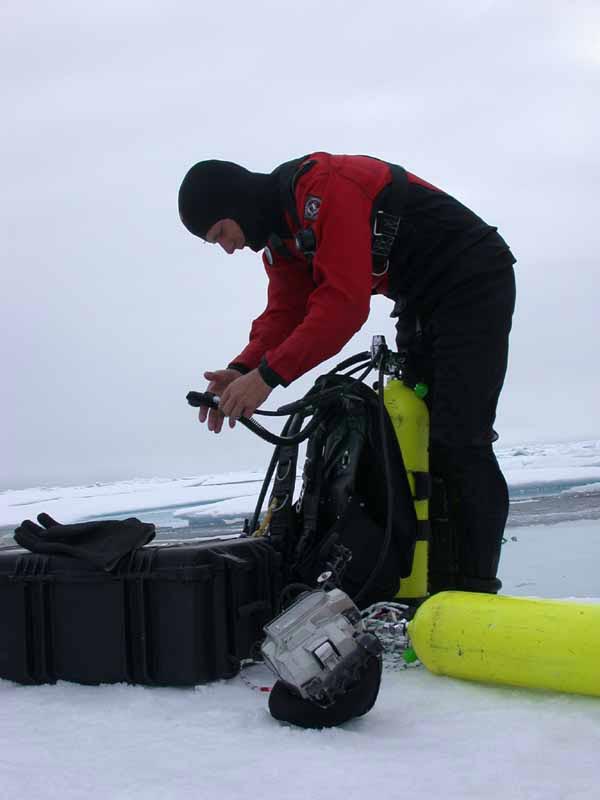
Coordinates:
x,y
339,303
290,285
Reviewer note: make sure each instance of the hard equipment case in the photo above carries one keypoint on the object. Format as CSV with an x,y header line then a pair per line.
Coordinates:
x,y
172,614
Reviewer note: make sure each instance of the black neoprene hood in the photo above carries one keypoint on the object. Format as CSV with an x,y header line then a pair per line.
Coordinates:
x,y
215,190
212,190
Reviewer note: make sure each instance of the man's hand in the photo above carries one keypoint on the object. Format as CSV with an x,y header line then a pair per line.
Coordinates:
x,y
219,381
243,396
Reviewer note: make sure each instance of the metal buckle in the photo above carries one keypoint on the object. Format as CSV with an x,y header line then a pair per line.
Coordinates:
x,y
378,215
386,266
389,225
385,228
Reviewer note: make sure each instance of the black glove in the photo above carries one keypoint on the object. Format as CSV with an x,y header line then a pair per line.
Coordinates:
x,y
102,543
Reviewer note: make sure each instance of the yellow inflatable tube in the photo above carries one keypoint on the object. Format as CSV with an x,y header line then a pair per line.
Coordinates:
x,y
543,644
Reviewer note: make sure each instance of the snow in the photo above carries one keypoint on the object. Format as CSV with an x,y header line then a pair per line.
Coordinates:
x,y
428,736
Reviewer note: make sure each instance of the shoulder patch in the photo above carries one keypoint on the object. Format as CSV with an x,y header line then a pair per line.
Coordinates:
x,y
311,207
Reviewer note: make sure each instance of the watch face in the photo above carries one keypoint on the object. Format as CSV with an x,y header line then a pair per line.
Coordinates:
x,y
269,256
311,207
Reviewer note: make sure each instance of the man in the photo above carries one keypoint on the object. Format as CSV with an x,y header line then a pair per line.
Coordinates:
x,y
336,229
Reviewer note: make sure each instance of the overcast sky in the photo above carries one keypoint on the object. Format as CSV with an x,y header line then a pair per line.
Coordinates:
x,y
111,311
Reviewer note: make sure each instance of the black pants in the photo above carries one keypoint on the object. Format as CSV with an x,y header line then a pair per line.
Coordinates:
x,y
463,358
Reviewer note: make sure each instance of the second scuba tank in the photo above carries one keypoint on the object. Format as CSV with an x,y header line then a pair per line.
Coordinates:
x,y
539,643
410,417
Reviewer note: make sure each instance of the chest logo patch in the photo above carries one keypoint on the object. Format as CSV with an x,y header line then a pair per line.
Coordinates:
x,y
311,207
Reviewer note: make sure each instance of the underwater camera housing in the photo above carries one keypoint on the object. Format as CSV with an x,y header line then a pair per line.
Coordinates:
x,y
318,646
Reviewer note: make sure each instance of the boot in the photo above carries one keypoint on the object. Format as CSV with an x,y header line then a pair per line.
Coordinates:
x,y
485,585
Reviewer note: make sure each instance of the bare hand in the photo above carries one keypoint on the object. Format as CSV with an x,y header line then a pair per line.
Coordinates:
x,y
219,381
243,396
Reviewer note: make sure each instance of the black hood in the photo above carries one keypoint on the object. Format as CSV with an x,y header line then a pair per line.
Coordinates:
x,y
215,190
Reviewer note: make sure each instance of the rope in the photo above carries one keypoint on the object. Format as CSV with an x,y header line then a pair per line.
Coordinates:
x,y
266,520
257,687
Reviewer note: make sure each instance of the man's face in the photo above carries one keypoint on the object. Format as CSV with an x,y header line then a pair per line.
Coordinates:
x,y
228,234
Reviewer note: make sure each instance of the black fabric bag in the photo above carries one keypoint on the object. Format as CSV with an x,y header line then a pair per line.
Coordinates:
x,y
343,501
176,614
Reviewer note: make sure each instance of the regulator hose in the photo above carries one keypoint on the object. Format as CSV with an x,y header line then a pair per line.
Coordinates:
x,y
310,404
198,399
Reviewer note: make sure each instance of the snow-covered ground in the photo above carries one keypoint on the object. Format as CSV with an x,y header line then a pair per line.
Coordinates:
x,y
428,736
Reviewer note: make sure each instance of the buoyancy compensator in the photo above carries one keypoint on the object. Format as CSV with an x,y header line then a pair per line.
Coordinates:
x,y
354,515
349,494
347,537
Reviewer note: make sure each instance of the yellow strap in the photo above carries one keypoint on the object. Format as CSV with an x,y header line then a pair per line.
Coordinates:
x,y
266,521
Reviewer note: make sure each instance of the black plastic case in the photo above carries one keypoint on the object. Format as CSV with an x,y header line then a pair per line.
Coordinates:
x,y
175,614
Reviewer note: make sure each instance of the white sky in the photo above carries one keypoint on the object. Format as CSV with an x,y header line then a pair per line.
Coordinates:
x,y
111,311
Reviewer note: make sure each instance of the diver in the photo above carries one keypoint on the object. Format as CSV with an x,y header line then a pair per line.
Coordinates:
x,y
335,230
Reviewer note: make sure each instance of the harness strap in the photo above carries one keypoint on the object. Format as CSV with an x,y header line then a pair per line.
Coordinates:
x,y
277,245
422,484
289,174
423,530
386,214
284,484
388,209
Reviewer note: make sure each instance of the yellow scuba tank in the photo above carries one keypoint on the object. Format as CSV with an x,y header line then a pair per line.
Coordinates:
x,y
545,644
410,418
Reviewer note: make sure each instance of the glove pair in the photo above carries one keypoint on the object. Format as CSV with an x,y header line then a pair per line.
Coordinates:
x,y
102,542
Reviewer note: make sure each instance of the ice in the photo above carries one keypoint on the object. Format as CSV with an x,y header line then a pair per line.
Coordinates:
x,y
234,494
133,498
559,560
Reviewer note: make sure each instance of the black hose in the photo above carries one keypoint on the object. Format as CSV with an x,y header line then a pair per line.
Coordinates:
x,y
311,399
273,438
300,588
350,362
207,399
361,377
295,420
